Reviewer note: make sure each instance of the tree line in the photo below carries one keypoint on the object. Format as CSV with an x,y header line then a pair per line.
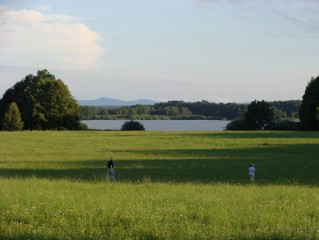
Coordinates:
x,y
43,102
173,110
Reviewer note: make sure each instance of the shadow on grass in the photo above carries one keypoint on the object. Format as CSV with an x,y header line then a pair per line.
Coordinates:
x,y
257,134
286,164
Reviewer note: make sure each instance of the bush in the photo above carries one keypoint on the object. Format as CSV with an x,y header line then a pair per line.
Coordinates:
x,y
82,126
285,125
239,124
132,126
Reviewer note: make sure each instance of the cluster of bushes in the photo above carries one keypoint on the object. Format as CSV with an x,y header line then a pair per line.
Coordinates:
x,y
282,125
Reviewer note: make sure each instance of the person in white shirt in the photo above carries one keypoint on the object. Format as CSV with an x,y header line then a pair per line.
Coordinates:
x,y
251,173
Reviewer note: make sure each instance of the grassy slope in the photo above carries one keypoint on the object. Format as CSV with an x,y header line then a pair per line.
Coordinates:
x,y
162,190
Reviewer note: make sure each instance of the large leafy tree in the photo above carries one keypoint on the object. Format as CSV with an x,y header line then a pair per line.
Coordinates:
x,y
259,115
12,118
44,103
308,112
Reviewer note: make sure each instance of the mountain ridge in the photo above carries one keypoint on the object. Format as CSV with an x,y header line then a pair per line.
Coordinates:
x,y
104,101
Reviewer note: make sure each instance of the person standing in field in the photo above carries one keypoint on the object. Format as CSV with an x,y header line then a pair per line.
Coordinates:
x,y
110,169
251,173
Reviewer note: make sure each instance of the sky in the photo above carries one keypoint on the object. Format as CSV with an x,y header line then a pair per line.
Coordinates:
x,y
190,50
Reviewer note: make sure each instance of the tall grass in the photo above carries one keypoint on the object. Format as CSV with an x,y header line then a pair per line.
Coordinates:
x,y
170,185
62,209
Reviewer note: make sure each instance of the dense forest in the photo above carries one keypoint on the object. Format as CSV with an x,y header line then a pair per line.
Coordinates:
x,y
185,110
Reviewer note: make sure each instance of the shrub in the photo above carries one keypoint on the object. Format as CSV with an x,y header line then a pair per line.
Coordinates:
x,y
82,126
239,124
285,125
132,126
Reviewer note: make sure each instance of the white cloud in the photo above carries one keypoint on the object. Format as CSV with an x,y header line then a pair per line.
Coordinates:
x,y
30,38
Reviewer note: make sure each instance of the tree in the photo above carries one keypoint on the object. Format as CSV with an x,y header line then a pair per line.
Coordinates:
x,y
258,115
12,118
132,126
44,102
308,112
279,114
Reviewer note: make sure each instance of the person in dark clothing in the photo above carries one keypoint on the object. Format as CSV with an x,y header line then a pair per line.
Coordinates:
x,y
110,169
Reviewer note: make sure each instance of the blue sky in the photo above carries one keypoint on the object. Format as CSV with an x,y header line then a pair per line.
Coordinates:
x,y
191,50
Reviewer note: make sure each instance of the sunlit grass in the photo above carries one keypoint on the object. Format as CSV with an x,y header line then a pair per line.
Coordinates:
x,y
170,185
163,156
62,209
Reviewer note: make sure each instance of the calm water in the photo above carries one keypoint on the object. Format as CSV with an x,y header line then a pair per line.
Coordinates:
x,y
160,125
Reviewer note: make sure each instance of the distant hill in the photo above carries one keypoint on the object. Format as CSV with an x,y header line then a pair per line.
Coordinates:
x,y
114,102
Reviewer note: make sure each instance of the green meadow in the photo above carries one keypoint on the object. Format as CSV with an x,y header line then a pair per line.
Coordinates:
x,y
169,185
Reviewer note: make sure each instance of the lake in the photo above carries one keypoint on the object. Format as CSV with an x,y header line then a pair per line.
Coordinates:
x,y
161,125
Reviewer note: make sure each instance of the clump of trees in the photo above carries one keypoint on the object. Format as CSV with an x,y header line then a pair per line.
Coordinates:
x,y
132,126
259,115
262,115
43,101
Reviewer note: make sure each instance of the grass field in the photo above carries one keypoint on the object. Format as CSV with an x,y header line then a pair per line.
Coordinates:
x,y
170,185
